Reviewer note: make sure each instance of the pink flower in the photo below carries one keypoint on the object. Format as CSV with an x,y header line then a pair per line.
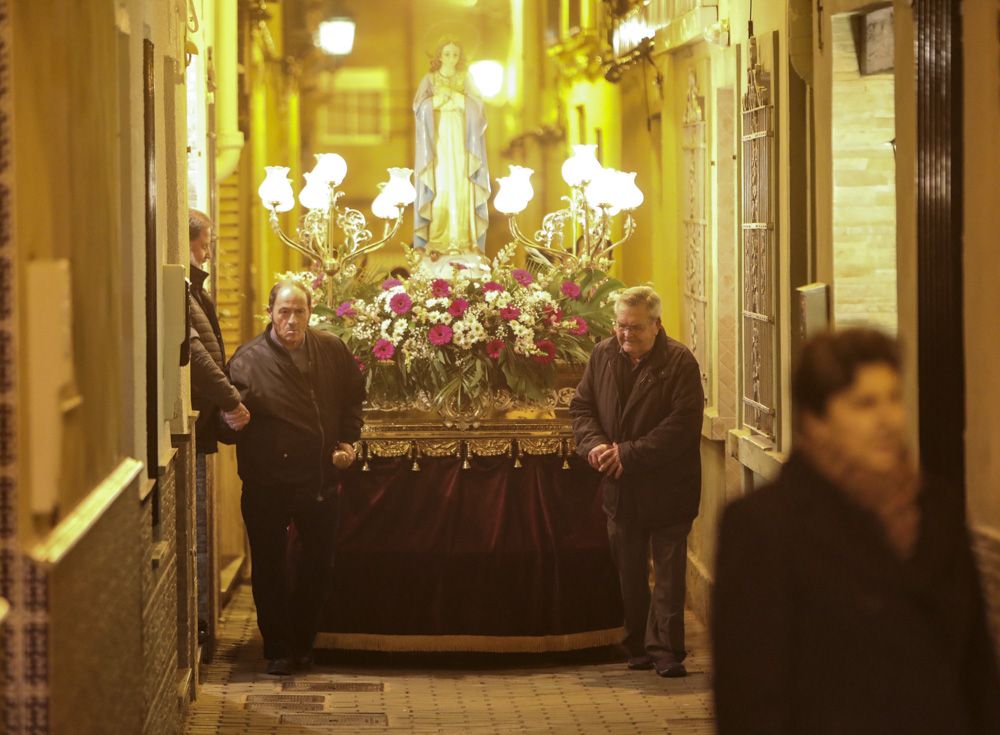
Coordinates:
x,y
510,313
391,283
548,347
553,316
581,325
400,303
439,334
491,286
346,309
383,349
440,288
522,276
571,289
361,365
318,281
458,307
494,347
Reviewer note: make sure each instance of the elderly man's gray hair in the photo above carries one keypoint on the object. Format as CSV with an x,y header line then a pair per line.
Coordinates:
x,y
640,296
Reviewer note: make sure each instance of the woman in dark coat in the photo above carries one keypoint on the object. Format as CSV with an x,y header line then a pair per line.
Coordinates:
x,y
846,596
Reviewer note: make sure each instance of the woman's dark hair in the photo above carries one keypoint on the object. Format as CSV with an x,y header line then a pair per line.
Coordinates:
x,y
828,363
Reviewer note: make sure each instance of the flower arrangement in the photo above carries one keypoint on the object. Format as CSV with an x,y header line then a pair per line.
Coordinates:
x,y
449,341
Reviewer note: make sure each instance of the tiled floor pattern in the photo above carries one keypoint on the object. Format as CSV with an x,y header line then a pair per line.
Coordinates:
x,y
591,693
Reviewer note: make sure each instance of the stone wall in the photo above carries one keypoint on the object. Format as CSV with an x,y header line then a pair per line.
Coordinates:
x,y
864,191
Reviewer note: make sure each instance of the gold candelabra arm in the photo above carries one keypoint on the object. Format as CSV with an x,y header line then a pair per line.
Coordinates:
x,y
387,234
276,227
629,229
541,246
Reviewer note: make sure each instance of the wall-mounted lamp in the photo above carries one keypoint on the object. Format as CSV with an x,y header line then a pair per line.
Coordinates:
x,y
717,33
487,76
336,35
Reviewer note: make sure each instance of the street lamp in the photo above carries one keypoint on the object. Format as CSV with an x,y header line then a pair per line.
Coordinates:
x,y
336,35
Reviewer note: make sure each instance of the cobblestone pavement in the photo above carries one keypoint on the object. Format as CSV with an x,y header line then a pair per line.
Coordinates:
x,y
584,692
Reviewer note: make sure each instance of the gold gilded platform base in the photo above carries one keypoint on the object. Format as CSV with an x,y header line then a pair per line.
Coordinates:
x,y
470,643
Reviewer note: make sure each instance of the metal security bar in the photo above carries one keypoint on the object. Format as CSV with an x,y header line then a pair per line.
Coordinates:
x,y
695,327
760,335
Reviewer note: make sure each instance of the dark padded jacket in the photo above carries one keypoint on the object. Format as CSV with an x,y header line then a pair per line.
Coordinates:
x,y
210,388
658,431
818,628
296,421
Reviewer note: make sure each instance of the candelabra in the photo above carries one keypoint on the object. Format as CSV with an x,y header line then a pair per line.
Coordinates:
x,y
598,195
315,236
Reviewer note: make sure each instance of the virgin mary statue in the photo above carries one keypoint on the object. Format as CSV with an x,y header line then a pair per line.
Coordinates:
x,y
452,179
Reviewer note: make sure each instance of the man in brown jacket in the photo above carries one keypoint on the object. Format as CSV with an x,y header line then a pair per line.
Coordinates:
x,y
211,391
637,417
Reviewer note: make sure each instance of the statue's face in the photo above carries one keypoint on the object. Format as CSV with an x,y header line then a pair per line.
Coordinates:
x,y
450,56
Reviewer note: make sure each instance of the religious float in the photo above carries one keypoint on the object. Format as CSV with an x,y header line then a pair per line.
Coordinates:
x,y
468,522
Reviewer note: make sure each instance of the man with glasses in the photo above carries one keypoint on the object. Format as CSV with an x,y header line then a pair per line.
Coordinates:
x,y
637,417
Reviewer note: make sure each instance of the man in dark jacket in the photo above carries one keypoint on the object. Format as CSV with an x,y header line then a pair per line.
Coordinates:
x,y
637,417
304,392
211,391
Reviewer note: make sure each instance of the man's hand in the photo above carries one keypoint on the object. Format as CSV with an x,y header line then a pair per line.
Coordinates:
x,y
610,463
237,418
343,456
594,456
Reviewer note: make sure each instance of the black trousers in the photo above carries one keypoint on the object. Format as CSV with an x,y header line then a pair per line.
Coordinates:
x,y
653,625
289,601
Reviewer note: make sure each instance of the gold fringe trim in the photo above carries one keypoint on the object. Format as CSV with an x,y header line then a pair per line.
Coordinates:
x,y
470,643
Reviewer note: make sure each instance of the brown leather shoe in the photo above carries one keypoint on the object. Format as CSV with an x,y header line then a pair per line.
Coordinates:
x,y
670,669
640,663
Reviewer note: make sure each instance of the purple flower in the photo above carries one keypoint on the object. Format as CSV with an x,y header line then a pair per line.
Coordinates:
x,y
581,325
458,307
491,286
400,303
494,347
391,283
440,288
439,334
346,310
383,349
510,313
522,276
571,289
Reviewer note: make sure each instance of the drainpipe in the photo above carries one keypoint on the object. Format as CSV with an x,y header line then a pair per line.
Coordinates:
x,y
229,138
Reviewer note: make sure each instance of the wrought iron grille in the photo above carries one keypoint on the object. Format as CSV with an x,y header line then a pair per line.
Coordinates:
x,y
695,328
760,334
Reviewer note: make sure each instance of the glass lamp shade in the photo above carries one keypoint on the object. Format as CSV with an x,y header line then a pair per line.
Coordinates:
x,y
602,191
276,190
330,168
398,190
630,195
520,178
582,166
383,208
487,75
510,198
336,36
315,194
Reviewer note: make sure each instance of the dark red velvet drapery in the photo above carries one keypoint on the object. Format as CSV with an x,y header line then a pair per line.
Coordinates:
x,y
492,550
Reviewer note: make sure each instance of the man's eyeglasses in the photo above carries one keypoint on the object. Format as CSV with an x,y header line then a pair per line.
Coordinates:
x,y
636,329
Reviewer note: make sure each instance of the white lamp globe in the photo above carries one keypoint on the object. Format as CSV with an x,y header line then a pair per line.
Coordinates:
x,y
383,208
600,192
508,199
398,190
275,190
582,166
630,194
336,36
520,178
330,168
315,194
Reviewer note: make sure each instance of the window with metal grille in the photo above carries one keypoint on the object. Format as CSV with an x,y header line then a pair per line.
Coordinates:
x,y
353,107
